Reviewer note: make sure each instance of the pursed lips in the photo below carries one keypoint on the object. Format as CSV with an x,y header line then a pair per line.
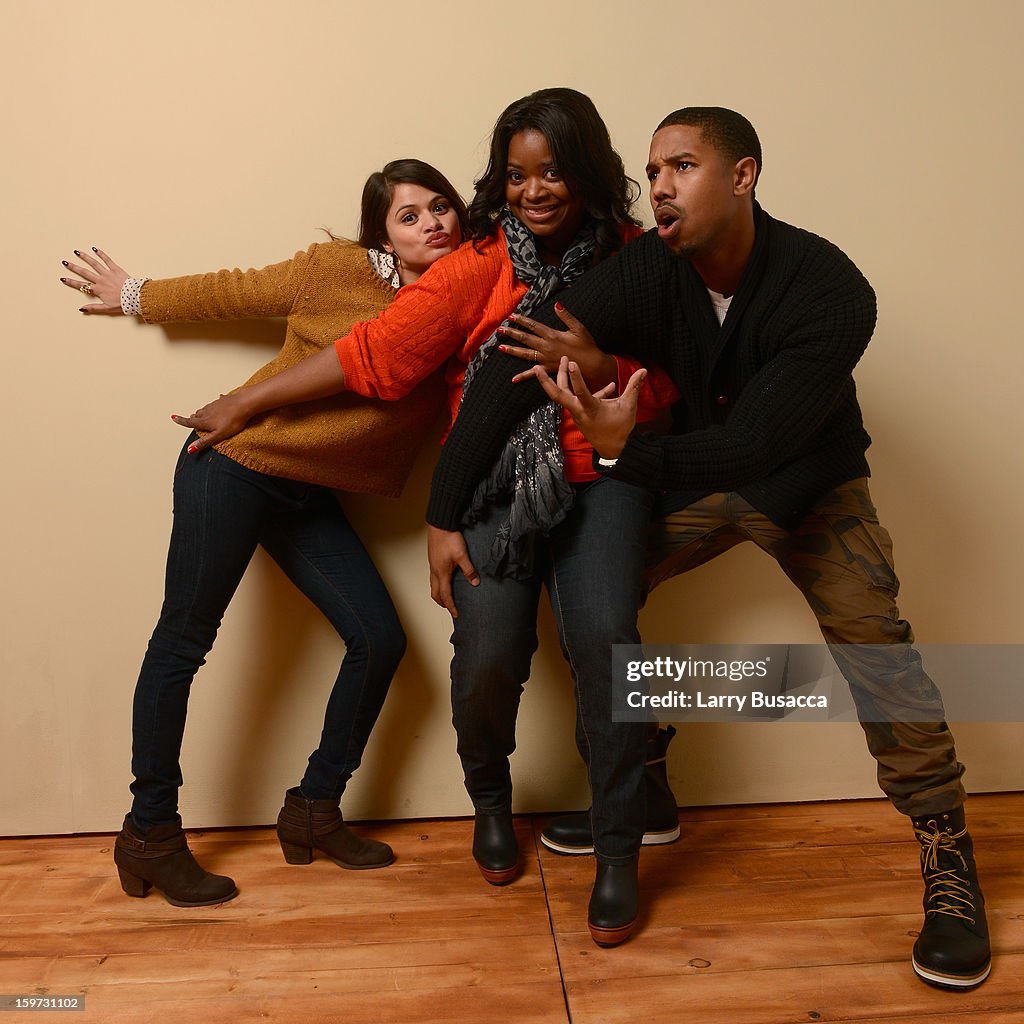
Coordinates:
x,y
666,212
667,216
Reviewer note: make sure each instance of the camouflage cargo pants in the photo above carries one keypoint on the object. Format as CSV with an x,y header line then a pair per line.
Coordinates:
x,y
841,559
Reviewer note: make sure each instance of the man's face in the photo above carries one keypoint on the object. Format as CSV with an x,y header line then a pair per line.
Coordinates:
x,y
693,191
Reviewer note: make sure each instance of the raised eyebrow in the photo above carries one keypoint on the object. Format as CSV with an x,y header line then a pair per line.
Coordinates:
x,y
674,159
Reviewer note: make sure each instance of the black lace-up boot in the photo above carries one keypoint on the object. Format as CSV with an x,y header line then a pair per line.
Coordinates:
x,y
952,950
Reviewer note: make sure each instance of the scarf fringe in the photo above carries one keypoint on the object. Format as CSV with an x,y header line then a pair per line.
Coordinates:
x,y
512,553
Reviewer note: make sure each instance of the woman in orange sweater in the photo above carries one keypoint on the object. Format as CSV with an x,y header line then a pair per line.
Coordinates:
x,y
553,200
270,486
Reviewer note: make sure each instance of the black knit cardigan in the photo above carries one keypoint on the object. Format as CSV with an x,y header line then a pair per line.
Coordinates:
x,y
768,408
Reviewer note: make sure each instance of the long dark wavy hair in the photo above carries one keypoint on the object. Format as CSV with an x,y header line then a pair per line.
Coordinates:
x,y
582,148
379,190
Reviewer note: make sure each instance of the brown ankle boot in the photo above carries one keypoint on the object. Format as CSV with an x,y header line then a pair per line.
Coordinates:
x,y
307,825
161,858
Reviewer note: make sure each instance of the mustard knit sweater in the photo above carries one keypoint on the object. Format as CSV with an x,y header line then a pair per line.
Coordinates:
x,y
346,442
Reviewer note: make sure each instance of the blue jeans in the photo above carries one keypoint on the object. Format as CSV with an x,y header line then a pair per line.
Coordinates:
x,y
222,510
592,566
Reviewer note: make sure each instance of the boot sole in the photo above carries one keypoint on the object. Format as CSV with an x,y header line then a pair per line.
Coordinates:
x,y
204,903
139,888
293,858
500,876
608,937
360,867
649,839
957,982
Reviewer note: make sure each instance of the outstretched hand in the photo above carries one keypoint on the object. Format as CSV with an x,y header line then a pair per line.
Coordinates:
x,y
217,421
546,346
605,422
102,279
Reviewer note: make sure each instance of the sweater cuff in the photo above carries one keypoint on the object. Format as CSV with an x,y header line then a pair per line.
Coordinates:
x,y
131,293
444,511
639,463
352,370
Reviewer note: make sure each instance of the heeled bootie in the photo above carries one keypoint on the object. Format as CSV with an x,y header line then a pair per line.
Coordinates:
x,y
952,950
614,902
161,858
572,833
307,825
495,848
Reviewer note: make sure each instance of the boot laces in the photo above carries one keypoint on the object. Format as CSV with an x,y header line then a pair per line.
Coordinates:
x,y
946,892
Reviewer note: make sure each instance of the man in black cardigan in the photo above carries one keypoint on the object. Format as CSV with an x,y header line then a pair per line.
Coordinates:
x,y
760,325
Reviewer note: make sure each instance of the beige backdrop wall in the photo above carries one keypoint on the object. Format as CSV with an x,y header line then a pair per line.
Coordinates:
x,y
193,136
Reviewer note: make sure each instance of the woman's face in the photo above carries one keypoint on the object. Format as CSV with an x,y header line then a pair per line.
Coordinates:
x,y
537,194
422,227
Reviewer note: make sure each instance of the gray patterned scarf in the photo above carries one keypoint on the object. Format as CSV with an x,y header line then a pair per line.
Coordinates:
x,y
530,470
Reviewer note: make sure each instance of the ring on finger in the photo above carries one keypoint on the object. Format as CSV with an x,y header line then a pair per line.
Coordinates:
x,y
85,289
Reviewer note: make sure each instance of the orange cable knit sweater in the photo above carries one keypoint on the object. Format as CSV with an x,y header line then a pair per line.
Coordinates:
x,y
446,316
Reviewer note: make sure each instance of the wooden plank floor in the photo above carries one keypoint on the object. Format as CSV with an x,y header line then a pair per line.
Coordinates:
x,y
758,915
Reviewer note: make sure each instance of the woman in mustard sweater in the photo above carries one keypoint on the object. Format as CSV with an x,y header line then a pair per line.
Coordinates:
x,y
269,485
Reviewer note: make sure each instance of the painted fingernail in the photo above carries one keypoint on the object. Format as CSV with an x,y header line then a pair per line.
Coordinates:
x,y
500,330
64,263
82,309
94,249
77,253
559,307
63,280
503,348
192,449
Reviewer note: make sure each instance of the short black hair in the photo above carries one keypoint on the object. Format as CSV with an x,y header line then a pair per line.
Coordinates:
x,y
582,148
730,133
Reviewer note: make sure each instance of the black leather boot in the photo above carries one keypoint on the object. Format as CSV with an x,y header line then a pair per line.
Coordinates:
x,y
571,833
495,848
161,858
952,950
614,903
307,825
